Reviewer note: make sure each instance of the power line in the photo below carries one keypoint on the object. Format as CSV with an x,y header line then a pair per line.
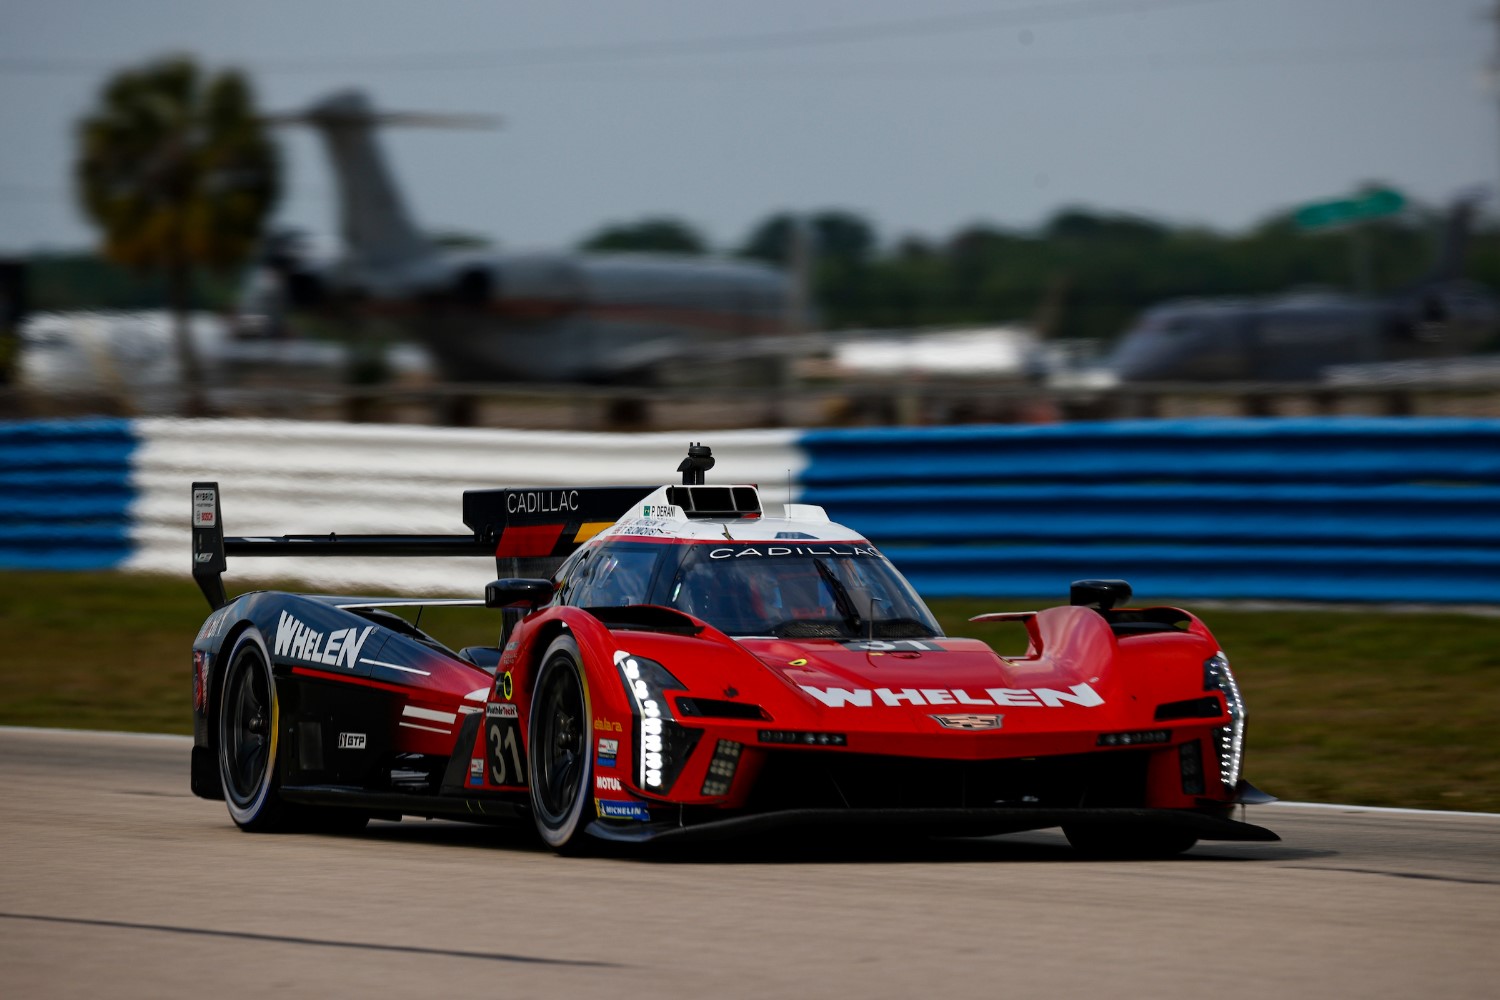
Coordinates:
x,y
770,41
893,70
1160,62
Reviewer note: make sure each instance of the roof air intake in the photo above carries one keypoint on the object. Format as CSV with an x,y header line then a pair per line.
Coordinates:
x,y
715,501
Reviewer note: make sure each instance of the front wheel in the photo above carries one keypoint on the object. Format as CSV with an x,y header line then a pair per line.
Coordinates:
x,y
561,764
247,731
1122,842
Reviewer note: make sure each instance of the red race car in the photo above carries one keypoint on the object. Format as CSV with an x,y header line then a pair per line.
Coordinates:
x,y
695,668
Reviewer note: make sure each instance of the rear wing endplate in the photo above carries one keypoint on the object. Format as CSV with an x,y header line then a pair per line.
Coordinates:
x,y
534,523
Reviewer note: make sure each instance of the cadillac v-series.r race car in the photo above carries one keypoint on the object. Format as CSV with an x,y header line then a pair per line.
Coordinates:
x,y
697,668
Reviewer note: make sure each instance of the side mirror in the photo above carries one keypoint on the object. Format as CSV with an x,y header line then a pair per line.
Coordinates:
x,y
509,593
1101,594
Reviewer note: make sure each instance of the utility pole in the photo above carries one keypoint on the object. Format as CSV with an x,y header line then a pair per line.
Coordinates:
x,y
1492,74
799,271
1494,68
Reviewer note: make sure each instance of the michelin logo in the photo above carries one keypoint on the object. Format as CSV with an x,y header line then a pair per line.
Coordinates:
x,y
609,809
339,648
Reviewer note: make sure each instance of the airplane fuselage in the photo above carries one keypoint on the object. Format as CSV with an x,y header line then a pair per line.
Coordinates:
x,y
1297,337
539,316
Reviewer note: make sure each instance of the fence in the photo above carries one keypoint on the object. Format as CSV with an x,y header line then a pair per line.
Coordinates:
x,y
1343,509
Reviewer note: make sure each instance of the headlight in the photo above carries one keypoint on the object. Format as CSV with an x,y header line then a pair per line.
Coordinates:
x,y
661,745
1230,739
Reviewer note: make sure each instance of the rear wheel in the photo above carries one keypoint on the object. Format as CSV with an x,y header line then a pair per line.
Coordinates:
x,y
560,761
248,722
1141,842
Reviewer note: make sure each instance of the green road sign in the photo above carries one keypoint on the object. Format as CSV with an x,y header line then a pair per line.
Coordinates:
x,y
1370,204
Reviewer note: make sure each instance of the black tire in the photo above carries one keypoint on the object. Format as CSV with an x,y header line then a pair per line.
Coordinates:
x,y
247,730
1129,842
560,761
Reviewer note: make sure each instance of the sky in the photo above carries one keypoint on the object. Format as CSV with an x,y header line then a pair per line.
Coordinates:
x,y
924,116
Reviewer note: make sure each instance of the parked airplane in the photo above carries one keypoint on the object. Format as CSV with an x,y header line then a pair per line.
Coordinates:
x,y
490,316
1296,336
129,358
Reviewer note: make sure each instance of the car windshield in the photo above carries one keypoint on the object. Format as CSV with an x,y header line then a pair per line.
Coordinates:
x,y
798,590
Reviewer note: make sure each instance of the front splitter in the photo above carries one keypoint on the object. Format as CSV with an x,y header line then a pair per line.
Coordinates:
x,y
938,822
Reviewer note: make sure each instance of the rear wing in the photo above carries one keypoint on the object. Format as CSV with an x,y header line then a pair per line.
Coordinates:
x,y
528,523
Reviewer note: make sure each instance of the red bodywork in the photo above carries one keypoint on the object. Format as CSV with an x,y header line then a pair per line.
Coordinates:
x,y
1111,719
1076,682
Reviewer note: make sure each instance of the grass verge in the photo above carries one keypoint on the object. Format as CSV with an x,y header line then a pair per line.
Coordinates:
x,y
1363,707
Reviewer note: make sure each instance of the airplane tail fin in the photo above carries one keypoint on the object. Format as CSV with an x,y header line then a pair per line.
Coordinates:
x,y
375,224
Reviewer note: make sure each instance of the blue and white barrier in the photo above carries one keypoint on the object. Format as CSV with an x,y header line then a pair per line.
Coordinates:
x,y
66,494
115,494
1340,509
1333,509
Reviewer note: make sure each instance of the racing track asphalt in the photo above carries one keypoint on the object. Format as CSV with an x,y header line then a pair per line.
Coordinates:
x,y
116,882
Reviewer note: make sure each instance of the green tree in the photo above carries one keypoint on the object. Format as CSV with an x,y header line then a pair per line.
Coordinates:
x,y
177,171
835,235
649,236
1086,273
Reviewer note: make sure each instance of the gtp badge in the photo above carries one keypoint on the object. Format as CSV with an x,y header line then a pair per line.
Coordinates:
x,y
969,721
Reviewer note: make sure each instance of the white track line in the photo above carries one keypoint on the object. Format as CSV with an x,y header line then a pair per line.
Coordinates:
x,y
1383,809
47,730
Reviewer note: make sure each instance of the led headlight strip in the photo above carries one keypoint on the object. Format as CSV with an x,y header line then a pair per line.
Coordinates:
x,y
661,747
1230,739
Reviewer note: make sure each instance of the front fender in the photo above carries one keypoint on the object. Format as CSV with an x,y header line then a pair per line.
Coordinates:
x,y
703,663
609,704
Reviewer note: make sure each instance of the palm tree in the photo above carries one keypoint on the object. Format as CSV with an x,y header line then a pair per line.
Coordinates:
x,y
178,173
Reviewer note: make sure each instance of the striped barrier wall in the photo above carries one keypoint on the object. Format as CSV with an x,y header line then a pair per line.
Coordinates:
x,y
1340,509
66,494
1321,509
291,477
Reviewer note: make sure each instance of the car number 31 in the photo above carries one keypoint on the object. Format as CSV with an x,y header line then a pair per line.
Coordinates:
x,y
505,754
